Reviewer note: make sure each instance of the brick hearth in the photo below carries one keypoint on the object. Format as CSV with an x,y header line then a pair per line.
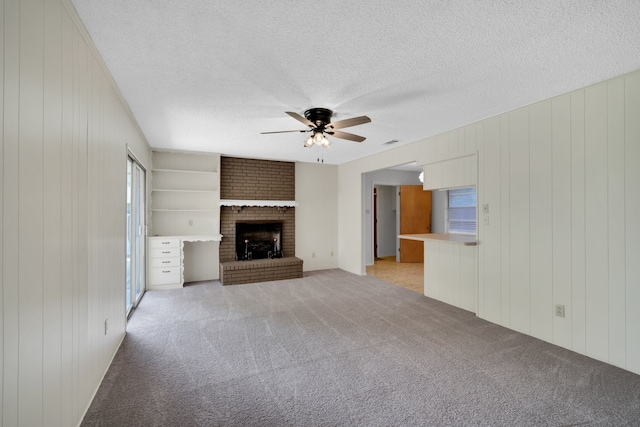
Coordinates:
x,y
260,270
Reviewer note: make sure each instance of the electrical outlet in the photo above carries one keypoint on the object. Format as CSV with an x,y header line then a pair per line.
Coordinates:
x,y
190,223
313,254
106,326
485,219
559,310
331,253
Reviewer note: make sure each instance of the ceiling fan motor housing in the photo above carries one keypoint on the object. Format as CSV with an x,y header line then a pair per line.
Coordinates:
x,y
319,116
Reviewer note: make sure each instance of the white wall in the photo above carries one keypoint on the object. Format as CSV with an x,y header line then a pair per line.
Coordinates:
x,y
439,204
561,178
317,215
63,210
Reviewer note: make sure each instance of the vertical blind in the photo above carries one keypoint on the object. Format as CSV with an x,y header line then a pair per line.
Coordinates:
x,y
462,211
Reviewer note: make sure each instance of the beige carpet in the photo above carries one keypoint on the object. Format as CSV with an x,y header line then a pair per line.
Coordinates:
x,y
335,349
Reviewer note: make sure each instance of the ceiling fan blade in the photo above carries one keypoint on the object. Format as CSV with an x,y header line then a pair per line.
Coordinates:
x,y
284,131
346,135
349,122
301,119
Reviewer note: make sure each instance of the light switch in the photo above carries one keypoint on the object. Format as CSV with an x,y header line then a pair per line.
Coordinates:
x,y
485,208
485,220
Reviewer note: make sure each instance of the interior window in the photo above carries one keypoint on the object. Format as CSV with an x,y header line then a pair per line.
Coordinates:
x,y
461,211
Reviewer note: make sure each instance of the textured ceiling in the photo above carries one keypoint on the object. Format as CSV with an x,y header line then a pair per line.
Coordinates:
x,y
210,75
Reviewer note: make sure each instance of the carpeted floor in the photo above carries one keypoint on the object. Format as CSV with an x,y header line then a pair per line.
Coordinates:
x,y
335,349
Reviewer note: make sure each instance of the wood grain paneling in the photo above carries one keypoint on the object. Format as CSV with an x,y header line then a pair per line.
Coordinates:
x,y
63,209
575,201
541,223
519,184
490,235
561,207
616,223
1,210
632,224
10,217
52,206
504,220
450,273
30,205
578,225
67,368
454,173
582,185
596,207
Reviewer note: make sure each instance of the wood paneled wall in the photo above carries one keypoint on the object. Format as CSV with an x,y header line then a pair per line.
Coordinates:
x,y
562,180
64,143
450,273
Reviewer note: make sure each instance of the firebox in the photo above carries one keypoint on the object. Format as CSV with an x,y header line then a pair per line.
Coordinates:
x,y
258,239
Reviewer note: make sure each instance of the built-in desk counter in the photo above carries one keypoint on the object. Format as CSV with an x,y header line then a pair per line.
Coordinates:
x,y
449,268
464,239
166,259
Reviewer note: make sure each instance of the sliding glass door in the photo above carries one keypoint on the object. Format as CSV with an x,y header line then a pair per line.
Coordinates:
x,y
136,232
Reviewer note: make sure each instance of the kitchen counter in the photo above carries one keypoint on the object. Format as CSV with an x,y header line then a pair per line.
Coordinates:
x,y
462,239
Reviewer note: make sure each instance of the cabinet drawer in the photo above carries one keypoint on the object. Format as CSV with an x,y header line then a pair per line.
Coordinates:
x,y
164,242
165,262
165,253
165,275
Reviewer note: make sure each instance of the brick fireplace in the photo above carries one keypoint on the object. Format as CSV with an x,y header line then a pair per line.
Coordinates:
x,y
230,215
253,184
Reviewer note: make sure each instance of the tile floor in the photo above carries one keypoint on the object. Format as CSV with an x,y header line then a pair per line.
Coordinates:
x,y
407,275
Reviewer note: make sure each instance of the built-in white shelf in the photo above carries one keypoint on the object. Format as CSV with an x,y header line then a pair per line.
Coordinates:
x,y
185,208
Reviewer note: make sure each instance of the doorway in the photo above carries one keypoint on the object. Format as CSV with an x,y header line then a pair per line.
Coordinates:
x,y
385,221
136,232
387,215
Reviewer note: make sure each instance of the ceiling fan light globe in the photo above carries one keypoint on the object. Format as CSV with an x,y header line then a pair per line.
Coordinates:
x,y
318,137
308,142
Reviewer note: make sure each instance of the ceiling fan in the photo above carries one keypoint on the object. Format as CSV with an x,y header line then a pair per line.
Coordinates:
x,y
319,122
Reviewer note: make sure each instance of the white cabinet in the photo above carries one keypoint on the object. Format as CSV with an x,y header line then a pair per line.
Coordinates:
x,y
165,262
454,173
185,207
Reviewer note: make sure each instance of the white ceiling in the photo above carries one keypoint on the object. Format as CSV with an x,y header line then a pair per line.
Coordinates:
x,y
210,75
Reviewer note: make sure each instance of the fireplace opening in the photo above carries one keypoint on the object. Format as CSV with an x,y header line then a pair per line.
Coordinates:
x,y
258,240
